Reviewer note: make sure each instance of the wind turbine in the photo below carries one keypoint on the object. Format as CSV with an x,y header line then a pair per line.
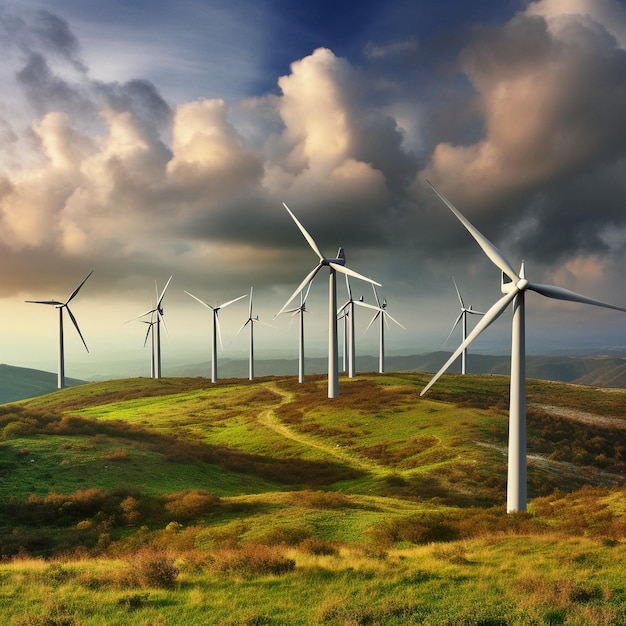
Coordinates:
x,y
348,330
215,330
252,321
60,306
514,287
381,314
465,311
334,265
150,333
300,311
156,317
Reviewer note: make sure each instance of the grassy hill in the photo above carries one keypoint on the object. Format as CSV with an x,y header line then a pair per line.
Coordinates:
x,y
17,383
264,502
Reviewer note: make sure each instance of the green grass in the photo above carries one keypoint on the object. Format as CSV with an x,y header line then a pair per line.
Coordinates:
x,y
381,507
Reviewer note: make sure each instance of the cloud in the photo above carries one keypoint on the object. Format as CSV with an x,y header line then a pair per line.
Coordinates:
x,y
550,86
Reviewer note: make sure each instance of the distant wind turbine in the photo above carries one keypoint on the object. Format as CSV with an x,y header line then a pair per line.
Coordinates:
x,y
156,317
348,326
252,321
334,265
150,333
465,311
514,287
215,330
381,315
300,311
60,306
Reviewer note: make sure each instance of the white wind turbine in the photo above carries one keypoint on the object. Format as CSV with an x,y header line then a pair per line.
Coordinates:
x,y
514,287
156,317
381,314
334,265
215,329
300,311
252,321
60,306
150,333
346,312
462,318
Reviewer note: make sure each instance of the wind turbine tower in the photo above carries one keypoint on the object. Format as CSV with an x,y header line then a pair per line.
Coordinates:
x,y
514,287
60,306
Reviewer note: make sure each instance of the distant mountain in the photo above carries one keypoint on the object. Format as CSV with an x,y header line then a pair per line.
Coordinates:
x,y
18,383
598,371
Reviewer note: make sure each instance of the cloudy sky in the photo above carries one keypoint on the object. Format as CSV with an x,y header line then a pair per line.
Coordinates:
x,y
155,138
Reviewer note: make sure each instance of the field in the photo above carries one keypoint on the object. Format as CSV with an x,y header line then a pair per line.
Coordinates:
x,y
181,502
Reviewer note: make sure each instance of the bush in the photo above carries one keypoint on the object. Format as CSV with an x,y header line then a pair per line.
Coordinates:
x,y
190,504
155,569
253,560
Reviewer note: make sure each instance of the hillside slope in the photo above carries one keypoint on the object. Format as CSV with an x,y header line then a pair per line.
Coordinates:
x,y
17,383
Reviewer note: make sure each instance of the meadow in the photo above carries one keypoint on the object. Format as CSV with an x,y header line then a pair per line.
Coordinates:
x,y
176,501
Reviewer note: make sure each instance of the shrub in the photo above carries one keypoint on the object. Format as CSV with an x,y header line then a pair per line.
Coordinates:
x,y
155,569
253,560
319,546
190,504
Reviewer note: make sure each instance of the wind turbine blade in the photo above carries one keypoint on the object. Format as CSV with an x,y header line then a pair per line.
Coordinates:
x,y
348,288
67,308
366,305
472,312
393,319
559,293
456,323
163,293
250,307
245,295
343,307
249,320
494,255
51,302
306,295
134,319
78,289
309,277
458,293
304,231
346,270
219,330
145,341
380,312
162,320
256,320
202,302
491,316
376,296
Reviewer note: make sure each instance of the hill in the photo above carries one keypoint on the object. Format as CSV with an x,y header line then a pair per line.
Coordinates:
x,y
599,371
17,383
264,502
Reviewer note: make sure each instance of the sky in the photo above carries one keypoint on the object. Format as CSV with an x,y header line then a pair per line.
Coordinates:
x,y
150,139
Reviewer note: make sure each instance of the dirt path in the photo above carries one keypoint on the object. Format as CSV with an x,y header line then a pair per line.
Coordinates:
x,y
582,416
268,419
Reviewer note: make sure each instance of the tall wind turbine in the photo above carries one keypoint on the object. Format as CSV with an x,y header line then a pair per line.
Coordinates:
x,y
334,265
300,311
215,330
156,317
252,321
514,287
60,306
465,311
381,315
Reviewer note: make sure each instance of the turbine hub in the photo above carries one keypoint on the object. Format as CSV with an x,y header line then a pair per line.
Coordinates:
x,y
522,284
